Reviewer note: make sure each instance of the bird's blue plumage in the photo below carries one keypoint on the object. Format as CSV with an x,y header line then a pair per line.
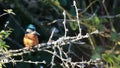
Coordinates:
x,y
31,26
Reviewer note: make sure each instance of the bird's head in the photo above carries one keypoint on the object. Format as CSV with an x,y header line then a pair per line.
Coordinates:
x,y
31,29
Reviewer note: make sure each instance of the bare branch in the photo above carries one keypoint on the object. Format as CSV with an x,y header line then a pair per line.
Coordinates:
x,y
77,16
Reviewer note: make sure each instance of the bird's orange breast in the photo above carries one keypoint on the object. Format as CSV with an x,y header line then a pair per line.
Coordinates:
x,y
30,40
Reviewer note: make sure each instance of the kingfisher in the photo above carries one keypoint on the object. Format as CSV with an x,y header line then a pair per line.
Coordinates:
x,y
31,37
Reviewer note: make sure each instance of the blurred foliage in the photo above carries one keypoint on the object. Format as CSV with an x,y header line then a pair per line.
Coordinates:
x,y
93,16
3,45
3,35
73,25
113,60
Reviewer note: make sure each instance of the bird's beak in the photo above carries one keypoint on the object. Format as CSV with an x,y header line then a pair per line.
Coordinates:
x,y
35,32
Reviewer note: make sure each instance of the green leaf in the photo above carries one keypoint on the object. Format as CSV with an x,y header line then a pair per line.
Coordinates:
x,y
63,2
73,25
96,20
97,52
56,2
4,34
101,27
96,55
98,49
3,45
114,36
104,20
108,58
118,58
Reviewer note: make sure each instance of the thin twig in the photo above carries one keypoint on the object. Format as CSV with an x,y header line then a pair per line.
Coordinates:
x,y
51,34
15,61
77,15
3,14
64,23
88,7
53,57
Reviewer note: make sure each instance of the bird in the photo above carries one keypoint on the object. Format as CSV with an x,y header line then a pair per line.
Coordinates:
x,y
31,37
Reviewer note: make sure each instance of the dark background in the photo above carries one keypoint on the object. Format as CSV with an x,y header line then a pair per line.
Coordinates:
x,y
42,13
